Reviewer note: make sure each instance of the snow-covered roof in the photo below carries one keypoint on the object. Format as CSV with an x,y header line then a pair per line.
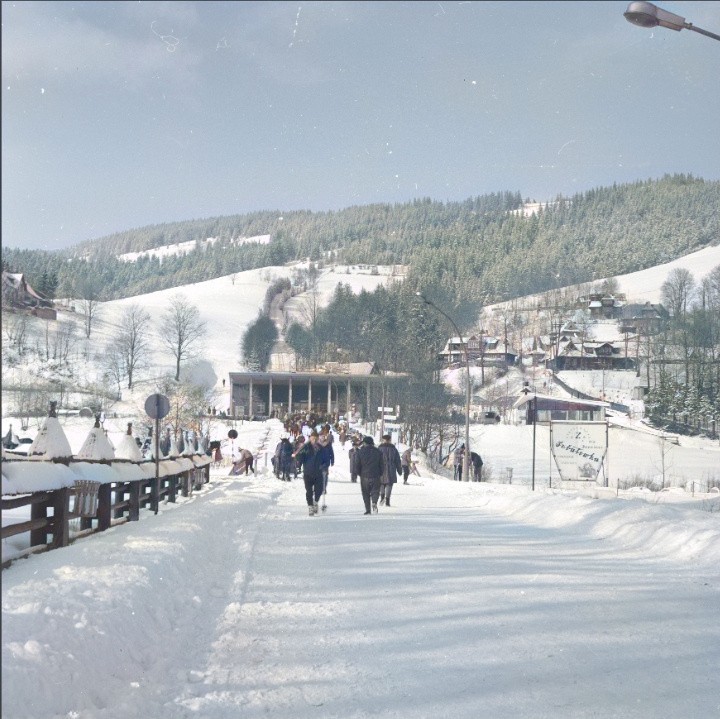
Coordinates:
x,y
127,449
51,442
525,398
97,446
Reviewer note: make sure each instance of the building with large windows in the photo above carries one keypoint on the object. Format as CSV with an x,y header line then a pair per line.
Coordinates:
x,y
334,388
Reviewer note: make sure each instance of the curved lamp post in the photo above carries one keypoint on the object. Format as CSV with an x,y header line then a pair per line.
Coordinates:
x,y
645,14
466,458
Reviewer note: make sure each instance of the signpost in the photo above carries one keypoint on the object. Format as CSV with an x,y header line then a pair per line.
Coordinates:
x,y
388,419
579,449
157,406
232,434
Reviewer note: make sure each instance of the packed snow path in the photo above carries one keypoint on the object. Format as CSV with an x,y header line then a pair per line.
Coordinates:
x,y
238,604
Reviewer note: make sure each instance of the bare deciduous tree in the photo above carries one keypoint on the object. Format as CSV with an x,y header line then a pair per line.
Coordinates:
x,y
15,328
88,292
132,342
677,291
181,330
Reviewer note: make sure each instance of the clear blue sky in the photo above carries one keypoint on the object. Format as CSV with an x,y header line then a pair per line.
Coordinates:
x,y
122,114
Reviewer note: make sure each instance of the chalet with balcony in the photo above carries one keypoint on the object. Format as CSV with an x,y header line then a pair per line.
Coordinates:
x,y
489,350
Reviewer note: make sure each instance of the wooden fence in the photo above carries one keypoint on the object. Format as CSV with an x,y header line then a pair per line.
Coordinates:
x,y
51,511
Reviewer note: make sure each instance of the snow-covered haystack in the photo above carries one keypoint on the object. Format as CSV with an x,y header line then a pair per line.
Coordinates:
x,y
189,448
51,442
173,451
10,440
97,446
127,447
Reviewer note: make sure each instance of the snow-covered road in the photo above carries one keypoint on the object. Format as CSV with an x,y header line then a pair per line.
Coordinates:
x,y
236,603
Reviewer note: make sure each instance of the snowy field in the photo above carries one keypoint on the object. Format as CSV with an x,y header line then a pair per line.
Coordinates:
x,y
463,600
226,306
646,285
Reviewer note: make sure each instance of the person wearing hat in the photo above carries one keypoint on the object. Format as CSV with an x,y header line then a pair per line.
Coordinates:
x,y
392,468
369,465
310,457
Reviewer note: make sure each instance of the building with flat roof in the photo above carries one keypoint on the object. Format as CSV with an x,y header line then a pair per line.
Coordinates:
x,y
333,388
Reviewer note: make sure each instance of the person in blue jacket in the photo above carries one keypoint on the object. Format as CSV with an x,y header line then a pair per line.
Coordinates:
x,y
309,457
327,455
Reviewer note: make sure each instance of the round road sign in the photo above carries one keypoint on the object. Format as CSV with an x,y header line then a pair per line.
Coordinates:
x,y
157,406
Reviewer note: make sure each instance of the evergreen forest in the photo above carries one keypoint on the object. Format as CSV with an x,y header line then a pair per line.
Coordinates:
x,y
464,254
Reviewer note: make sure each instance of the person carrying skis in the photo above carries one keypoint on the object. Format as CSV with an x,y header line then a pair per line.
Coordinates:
x,y
391,468
369,465
309,457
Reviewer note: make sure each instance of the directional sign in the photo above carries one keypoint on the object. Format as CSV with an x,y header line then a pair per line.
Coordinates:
x,y
386,409
157,406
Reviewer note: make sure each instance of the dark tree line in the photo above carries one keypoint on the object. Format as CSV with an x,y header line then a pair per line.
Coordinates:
x,y
476,251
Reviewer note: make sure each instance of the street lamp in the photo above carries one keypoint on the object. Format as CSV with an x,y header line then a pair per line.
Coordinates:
x,y
466,459
645,14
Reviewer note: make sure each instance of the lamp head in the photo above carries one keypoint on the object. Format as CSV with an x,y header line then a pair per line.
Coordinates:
x,y
645,14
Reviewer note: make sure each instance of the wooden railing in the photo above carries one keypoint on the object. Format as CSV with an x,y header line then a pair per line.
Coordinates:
x,y
51,511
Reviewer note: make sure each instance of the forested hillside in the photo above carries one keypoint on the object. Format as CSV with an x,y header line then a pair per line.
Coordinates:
x,y
477,251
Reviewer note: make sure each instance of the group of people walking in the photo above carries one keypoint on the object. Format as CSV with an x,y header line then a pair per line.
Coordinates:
x,y
377,467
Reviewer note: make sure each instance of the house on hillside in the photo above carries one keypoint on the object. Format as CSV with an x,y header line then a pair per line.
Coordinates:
x,y
607,306
535,349
572,354
643,319
489,350
17,293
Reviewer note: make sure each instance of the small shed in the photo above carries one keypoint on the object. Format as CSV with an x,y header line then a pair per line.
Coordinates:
x,y
544,408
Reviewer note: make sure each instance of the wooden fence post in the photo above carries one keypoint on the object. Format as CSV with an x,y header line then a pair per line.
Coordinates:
x,y
103,510
38,510
61,517
134,508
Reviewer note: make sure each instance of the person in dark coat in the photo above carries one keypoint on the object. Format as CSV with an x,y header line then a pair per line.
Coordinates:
x,y
392,468
299,443
309,457
369,466
275,459
285,462
351,456
477,464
